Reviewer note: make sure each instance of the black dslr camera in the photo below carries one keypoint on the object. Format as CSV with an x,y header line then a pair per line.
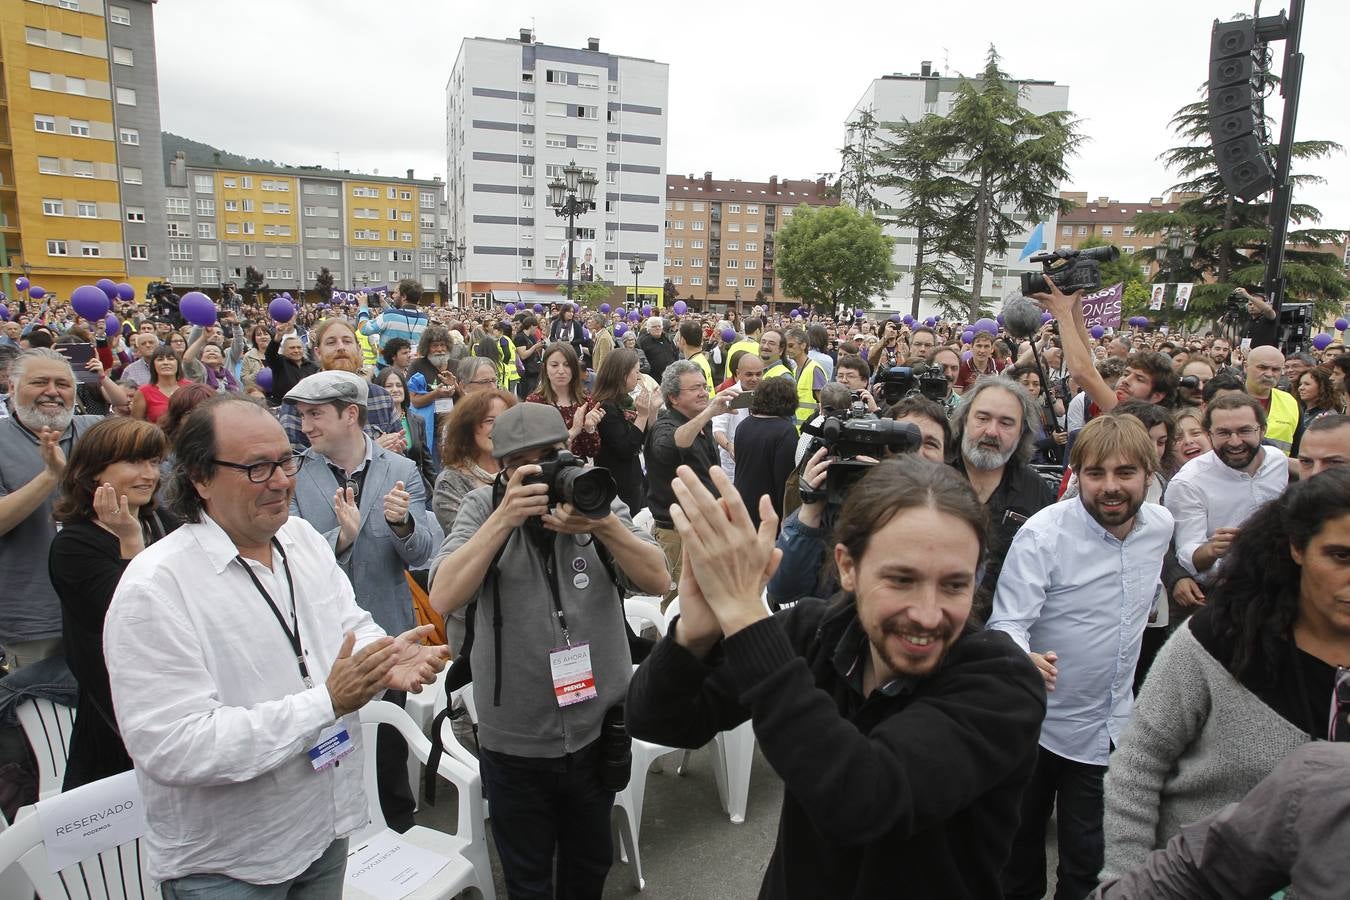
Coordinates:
x,y
1235,306
849,435
899,382
1070,270
164,302
589,491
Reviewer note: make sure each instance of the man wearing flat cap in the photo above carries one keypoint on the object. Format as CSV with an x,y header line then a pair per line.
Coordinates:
x,y
370,505
550,655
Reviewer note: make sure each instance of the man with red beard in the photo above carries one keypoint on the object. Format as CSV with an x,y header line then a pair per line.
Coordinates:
x,y
338,350
904,734
1075,593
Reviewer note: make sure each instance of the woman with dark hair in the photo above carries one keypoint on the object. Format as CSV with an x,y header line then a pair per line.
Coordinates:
x,y
151,401
1254,674
466,451
108,514
623,425
397,354
289,362
255,358
1319,397
769,453
412,426
566,328
561,388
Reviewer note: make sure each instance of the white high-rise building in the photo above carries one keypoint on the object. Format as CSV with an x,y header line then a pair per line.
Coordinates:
x,y
516,113
908,98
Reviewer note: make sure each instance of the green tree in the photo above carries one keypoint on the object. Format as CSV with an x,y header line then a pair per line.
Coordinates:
x,y
588,294
1232,236
1006,159
323,284
912,161
834,256
857,180
669,292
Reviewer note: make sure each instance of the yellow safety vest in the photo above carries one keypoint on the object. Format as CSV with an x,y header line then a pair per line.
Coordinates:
x,y
777,370
744,345
701,361
807,405
369,356
1282,420
507,374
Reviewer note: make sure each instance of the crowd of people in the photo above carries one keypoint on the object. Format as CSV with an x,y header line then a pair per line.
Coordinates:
x,y
960,578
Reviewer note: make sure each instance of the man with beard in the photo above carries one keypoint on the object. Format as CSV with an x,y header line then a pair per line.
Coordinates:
x,y
771,352
338,351
34,445
993,433
1077,587
1221,352
903,733
1215,493
1265,365
437,385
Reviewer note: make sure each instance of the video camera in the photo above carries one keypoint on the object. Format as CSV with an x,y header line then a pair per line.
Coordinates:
x,y
899,382
1235,306
848,435
1070,270
164,302
589,491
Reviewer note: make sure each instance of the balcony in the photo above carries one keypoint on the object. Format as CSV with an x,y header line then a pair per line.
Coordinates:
x,y
768,270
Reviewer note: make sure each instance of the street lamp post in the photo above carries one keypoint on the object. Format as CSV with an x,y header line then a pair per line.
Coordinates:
x,y
452,256
636,265
570,197
1175,256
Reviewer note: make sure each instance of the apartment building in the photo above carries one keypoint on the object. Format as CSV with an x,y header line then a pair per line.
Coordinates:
x,y
907,98
517,112
81,181
289,223
719,236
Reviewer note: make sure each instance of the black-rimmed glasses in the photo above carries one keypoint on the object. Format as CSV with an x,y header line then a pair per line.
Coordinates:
x,y
262,472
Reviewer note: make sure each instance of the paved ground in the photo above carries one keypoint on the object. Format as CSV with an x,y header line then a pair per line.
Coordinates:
x,y
689,847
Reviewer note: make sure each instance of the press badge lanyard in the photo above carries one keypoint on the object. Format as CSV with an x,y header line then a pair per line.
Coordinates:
x,y
292,630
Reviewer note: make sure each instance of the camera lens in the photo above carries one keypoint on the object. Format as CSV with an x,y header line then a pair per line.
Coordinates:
x,y
589,491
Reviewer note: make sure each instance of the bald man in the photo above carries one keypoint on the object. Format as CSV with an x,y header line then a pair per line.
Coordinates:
x,y
1265,365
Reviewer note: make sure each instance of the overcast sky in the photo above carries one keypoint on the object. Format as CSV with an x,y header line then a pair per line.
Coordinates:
x,y
755,89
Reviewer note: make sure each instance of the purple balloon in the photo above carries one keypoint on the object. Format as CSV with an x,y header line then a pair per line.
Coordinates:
x,y
585,334
796,314
36,292
930,321
281,309
987,325
4,313
107,286
966,356
89,302
1096,331
264,380
999,318
646,310
198,309
110,324
634,316
728,335
967,336
1321,341
510,309
126,292
539,307
605,308
286,295
21,284
680,307
620,330
1341,324
1046,317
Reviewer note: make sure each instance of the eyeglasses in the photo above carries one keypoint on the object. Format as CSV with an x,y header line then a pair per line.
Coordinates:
x,y
1246,431
1338,729
483,381
261,472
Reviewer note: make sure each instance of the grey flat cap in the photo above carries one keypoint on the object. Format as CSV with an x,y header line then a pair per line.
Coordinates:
x,y
525,426
331,387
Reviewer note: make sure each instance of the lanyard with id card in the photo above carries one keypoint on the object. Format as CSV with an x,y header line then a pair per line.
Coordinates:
x,y
570,665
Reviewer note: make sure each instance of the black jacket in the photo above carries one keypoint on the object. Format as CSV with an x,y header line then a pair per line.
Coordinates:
x,y
914,791
660,352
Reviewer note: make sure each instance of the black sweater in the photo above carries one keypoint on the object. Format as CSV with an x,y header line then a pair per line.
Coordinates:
x,y
914,791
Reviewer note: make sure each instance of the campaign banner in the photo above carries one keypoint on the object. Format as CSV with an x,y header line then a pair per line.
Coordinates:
x,y
351,295
1155,302
1183,297
1103,307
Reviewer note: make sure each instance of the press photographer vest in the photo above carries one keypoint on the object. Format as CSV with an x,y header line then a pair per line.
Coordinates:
x,y
806,397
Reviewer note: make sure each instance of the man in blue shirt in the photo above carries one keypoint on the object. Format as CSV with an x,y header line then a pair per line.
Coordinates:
x,y
1079,580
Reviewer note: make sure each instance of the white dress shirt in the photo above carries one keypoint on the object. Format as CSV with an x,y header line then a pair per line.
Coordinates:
x,y
1208,494
1070,586
213,710
726,424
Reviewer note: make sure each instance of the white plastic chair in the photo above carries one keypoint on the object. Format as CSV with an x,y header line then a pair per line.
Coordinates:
x,y
733,755
469,869
48,726
642,612
422,709
115,874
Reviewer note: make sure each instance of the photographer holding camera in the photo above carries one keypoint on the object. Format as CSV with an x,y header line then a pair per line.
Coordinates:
x,y
1263,322
544,553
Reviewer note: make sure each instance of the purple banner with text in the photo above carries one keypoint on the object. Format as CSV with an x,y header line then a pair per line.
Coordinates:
x,y
1103,307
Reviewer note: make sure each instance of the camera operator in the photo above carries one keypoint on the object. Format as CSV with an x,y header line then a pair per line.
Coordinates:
x,y
949,361
542,753
804,570
1263,323
164,303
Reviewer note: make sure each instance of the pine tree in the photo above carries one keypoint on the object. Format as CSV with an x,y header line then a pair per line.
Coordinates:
x,y
323,284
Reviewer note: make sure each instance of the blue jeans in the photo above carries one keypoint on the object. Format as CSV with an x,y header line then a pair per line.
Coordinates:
x,y
543,806
321,881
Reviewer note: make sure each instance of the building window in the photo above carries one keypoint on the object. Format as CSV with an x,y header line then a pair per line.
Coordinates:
x,y
751,246
751,227
119,15
84,168
139,251
232,206
427,200
210,275
246,182
57,248
748,282
91,250
123,57
733,207
206,231
679,224
677,262
44,123
1127,231
696,280
731,245
40,81
176,206
129,136
611,177
79,128
208,252
611,148
1082,230
248,228
180,250
751,264
75,86
231,227
126,96
49,165
247,205
526,202
731,282
1067,231
206,207
69,4
732,263
697,226
53,208
526,109
696,262
1107,230
86,209
135,214
1127,250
